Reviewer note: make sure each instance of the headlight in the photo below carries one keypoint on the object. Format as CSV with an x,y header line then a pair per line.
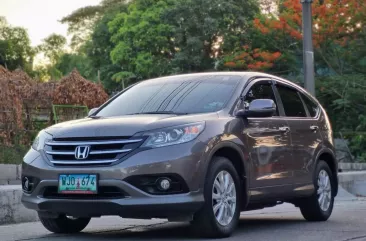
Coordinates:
x,y
40,140
173,135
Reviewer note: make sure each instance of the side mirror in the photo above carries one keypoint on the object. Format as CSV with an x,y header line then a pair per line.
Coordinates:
x,y
258,108
92,111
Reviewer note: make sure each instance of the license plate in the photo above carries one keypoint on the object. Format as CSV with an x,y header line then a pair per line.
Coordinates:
x,y
78,184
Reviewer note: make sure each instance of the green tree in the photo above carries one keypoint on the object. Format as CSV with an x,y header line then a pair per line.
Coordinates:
x,y
15,47
98,48
69,61
204,30
82,21
3,22
53,47
143,42
176,36
91,41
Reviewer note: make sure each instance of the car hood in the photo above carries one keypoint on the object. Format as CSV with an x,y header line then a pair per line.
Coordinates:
x,y
122,126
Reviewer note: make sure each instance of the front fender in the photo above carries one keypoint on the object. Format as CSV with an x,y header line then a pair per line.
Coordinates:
x,y
235,144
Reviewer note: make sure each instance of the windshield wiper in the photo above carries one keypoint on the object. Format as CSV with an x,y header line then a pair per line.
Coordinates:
x,y
160,113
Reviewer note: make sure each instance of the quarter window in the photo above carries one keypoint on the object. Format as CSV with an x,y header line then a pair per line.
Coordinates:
x,y
312,107
291,102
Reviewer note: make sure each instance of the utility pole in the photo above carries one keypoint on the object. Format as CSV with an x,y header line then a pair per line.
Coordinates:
x,y
308,52
99,77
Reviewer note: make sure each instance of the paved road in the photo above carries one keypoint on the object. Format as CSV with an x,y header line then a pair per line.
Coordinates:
x,y
282,223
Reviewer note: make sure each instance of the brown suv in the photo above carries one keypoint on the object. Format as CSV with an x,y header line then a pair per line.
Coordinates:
x,y
198,147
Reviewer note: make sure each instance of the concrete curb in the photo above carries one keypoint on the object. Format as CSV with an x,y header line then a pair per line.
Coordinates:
x,y
11,208
354,182
352,166
352,186
10,174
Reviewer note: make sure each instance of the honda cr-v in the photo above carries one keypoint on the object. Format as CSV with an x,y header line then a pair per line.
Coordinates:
x,y
198,148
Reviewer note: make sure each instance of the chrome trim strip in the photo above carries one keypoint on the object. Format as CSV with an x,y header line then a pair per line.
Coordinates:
x,y
83,162
70,153
109,152
80,143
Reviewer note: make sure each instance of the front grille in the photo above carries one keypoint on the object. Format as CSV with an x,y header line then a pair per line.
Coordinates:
x,y
104,192
103,151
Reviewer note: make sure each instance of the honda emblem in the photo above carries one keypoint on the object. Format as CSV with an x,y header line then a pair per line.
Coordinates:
x,y
82,152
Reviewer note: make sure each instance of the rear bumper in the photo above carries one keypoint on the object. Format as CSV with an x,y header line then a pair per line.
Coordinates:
x,y
137,205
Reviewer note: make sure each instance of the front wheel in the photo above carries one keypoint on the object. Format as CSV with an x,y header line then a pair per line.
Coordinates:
x,y
64,224
220,213
319,206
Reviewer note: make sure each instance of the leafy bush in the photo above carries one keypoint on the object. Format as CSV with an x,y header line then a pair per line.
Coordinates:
x,y
13,154
344,99
75,90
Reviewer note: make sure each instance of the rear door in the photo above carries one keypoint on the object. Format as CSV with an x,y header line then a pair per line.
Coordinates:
x,y
305,137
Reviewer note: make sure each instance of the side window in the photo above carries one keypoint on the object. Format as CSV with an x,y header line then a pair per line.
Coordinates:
x,y
312,107
261,91
291,102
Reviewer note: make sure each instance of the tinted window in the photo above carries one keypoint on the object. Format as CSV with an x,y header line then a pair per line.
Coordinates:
x,y
312,107
199,95
261,91
291,102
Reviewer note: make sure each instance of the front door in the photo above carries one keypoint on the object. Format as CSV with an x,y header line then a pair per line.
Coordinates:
x,y
268,142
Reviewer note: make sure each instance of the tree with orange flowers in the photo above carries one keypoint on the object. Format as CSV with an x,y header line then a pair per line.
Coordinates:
x,y
338,25
252,59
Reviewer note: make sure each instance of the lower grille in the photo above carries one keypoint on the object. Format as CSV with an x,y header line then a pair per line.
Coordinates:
x,y
89,151
107,192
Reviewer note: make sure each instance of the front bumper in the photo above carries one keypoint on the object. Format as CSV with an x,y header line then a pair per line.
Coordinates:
x,y
136,203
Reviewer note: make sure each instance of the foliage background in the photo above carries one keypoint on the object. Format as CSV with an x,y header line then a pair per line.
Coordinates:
x,y
120,42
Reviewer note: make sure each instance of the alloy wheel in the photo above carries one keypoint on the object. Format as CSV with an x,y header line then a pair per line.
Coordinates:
x,y
224,198
324,190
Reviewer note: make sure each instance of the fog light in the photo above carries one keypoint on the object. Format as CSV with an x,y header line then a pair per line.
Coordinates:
x,y
164,184
29,183
26,184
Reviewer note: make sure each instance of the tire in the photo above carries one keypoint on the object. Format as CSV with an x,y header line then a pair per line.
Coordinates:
x,y
64,225
205,222
311,209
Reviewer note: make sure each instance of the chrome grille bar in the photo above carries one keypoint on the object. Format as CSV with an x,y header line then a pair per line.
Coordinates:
x,y
109,151
71,153
83,162
80,143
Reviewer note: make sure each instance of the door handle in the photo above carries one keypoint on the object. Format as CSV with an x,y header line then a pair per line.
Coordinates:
x,y
284,129
314,128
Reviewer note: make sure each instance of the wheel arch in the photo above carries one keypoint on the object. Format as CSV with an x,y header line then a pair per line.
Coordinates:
x,y
329,157
236,156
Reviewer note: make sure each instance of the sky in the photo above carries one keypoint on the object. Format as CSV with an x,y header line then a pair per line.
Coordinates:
x,y
40,17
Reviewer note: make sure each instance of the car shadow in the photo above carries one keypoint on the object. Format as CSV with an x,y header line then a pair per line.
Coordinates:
x,y
183,231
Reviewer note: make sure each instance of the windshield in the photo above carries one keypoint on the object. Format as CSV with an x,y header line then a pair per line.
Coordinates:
x,y
201,94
